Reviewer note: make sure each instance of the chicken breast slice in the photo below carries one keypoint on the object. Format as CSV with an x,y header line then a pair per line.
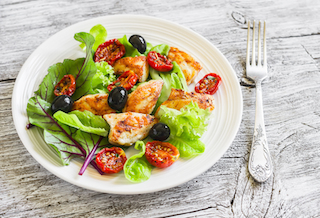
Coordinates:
x,y
97,104
189,66
139,65
144,98
127,128
179,99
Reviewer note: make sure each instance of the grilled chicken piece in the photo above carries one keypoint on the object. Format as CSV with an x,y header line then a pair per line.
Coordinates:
x,y
139,65
127,128
189,66
97,104
144,98
179,99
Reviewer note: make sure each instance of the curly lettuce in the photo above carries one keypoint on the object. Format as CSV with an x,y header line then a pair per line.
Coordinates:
x,y
103,77
186,126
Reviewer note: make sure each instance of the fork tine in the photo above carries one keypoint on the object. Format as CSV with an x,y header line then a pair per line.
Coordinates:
x,y
259,45
253,45
264,45
248,45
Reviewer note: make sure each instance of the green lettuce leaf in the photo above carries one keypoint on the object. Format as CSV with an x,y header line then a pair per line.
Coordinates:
x,y
103,77
82,69
85,121
130,50
178,78
191,120
149,47
162,49
188,148
186,126
137,168
99,33
172,79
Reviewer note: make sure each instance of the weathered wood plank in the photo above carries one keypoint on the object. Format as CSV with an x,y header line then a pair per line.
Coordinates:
x,y
291,107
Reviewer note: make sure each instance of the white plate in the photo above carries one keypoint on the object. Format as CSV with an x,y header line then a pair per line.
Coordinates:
x,y
221,130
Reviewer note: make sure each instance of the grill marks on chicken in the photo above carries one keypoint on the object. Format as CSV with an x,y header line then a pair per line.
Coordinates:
x,y
179,99
129,127
139,65
144,98
189,66
97,104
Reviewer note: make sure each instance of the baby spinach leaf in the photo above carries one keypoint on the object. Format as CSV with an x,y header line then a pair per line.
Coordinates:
x,y
137,168
85,121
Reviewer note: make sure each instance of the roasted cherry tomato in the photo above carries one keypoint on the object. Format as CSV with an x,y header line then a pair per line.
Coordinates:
x,y
109,51
161,154
127,80
159,62
209,84
111,160
66,86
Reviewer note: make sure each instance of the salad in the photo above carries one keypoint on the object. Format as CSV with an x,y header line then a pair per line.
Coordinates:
x,y
95,107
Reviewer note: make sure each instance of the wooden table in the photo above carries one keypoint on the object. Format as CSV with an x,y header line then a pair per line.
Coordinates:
x,y
291,106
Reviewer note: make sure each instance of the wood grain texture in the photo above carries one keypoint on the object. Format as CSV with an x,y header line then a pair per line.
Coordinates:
x,y
291,108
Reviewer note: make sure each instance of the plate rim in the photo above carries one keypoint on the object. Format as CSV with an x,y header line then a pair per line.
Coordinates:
x,y
174,184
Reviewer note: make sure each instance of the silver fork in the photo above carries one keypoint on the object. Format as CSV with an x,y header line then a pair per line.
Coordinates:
x,y
260,165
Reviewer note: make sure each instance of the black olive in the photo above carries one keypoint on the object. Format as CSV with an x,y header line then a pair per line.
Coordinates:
x,y
159,132
62,103
139,43
117,98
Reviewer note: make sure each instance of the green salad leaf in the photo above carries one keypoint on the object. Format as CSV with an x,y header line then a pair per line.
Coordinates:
x,y
85,121
149,47
99,33
172,79
188,148
103,77
83,69
56,134
186,126
161,48
137,168
191,120
92,144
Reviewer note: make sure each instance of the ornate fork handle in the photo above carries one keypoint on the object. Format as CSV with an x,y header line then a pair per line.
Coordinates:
x,y
260,165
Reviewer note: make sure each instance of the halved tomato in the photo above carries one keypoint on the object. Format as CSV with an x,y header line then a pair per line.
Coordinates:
x,y
161,154
159,62
111,160
110,51
66,86
209,84
127,80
